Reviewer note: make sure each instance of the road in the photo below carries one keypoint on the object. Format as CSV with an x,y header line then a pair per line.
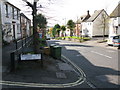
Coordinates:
x,y
98,63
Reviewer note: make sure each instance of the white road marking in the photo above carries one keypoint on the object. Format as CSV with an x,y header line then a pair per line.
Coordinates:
x,y
110,51
101,54
78,55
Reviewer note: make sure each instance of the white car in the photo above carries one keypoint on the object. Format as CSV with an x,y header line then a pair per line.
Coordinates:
x,y
110,40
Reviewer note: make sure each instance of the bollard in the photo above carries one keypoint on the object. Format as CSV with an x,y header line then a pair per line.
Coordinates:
x,y
12,55
41,60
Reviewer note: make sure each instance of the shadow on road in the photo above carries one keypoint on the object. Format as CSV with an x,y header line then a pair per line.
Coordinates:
x,y
101,77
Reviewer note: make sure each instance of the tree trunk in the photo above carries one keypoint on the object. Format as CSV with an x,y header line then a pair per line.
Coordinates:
x,y
35,33
104,31
71,33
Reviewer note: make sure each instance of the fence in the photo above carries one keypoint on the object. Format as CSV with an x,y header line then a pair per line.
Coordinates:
x,y
15,55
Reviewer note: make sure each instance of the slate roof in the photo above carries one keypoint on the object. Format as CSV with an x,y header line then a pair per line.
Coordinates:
x,y
12,5
83,18
25,16
116,12
95,15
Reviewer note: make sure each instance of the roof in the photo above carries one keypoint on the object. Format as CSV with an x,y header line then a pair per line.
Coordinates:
x,y
25,16
116,12
83,18
12,5
95,15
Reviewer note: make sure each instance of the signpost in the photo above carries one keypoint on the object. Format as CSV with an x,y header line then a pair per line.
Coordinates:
x,y
31,57
28,57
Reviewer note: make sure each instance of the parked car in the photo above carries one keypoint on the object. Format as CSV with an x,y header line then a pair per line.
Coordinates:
x,y
110,40
116,40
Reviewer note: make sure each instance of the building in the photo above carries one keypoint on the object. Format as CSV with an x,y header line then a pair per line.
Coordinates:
x,y
10,20
97,24
114,23
80,28
25,26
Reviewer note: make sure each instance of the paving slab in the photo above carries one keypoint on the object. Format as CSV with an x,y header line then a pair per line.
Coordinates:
x,y
60,75
65,66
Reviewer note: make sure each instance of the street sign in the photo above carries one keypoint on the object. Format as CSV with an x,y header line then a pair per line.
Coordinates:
x,y
31,57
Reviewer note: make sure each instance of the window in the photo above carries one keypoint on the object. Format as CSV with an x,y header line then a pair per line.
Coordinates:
x,y
18,28
6,9
13,16
17,15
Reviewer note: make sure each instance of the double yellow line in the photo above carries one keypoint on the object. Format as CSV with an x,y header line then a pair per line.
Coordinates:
x,y
80,80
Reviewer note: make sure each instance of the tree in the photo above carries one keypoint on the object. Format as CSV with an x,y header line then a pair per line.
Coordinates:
x,y
103,22
35,33
71,26
53,32
41,21
57,29
63,28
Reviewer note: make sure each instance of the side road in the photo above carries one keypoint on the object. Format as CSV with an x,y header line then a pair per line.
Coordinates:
x,y
97,43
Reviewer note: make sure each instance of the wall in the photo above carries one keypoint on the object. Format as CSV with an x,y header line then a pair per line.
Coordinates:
x,y
98,25
85,29
114,24
8,22
90,29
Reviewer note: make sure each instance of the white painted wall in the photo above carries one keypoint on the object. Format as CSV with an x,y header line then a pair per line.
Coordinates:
x,y
85,29
113,23
90,29
67,32
98,26
95,28
7,22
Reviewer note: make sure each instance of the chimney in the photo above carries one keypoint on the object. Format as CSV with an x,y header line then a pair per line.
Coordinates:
x,y
88,12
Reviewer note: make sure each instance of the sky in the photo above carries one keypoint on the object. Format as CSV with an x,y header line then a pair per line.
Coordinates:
x,y
60,11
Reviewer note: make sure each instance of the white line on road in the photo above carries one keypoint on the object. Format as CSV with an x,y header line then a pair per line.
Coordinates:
x,y
101,54
110,51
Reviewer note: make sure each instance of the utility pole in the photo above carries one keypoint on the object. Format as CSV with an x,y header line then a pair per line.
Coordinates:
x,y
77,32
35,33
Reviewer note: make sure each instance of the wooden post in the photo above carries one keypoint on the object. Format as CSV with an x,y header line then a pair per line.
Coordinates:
x,y
12,55
41,60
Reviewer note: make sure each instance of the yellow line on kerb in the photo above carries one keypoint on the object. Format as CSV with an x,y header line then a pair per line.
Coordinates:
x,y
81,79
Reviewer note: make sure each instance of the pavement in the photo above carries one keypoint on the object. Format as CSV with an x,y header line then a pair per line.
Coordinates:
x,y
55,73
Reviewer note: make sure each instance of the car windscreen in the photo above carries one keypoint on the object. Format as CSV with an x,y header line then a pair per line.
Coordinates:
x,y
116,37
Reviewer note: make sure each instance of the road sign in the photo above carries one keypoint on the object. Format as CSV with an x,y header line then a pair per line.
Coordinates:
x,y
31,57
